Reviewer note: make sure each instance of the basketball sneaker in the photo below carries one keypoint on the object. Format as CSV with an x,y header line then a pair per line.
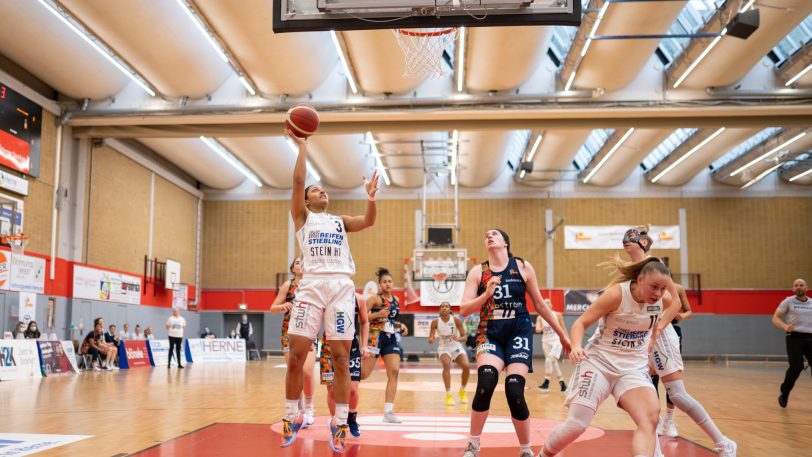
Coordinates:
x,y
471,451
525,454
670,427
782,400
463,396
545,386
309,419
726,449
390,418
339,434
563,386
355,429
449,399
290,429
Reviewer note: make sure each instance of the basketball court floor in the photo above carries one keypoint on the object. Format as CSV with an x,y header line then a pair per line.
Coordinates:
x,y
211,410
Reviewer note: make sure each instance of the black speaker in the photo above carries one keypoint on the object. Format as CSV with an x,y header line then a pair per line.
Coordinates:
x,y
440,236
743,24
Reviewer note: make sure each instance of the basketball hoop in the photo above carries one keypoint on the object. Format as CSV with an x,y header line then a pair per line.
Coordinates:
x,y
440,282
423,49
16,242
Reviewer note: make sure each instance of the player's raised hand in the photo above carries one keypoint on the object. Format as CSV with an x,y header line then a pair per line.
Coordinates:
x,y
371,185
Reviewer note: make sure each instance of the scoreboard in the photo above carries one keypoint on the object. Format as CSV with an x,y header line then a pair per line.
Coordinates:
x,y
20,131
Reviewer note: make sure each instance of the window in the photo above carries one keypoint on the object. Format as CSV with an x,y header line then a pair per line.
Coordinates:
x,y
695,14
665,148
561,40
744,147
594,142
791,43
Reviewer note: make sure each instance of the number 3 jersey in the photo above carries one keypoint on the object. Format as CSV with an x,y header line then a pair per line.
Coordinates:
x,y
325,246
621,340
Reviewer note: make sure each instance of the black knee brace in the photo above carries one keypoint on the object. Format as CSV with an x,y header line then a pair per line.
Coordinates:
x,y
487,379
514,391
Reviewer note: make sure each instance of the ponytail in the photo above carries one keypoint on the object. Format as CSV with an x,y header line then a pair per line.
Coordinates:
x,y
629,271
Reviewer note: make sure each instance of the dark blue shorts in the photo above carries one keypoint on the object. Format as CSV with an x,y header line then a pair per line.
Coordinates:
x,y
510,339
355,360
388,344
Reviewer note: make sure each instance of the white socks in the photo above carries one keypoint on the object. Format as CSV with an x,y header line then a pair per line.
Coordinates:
x,y
682,400
342,411
388,407
291,409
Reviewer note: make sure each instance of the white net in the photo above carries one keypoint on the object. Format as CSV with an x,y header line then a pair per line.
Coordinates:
x,y
17,244
423,49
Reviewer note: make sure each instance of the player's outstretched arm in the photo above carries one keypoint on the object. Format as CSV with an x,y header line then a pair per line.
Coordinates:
x,y
358,223
298,210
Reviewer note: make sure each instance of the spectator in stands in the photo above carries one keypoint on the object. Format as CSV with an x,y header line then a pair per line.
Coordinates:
x,y
205,333
244,329
93,345
32,332
111,337
175,326
19,331
124,334
137,335
148,335
233,335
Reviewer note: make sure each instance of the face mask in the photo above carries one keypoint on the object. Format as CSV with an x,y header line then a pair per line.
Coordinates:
x,y
33,329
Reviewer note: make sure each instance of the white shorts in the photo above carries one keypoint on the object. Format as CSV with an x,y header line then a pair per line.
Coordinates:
x,y
331,300
552,349
452,350
666,358
590,384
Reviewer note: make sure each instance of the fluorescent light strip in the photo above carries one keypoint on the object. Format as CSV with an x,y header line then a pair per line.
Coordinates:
x,y
215,146
609,154
455,150
461,66
766,154
104,52
792,179
521,175
761,176
309,167
202,28
247,85
344,62
701,56
796,77
689,153
569,81
747,6
377,156
594,28
534,149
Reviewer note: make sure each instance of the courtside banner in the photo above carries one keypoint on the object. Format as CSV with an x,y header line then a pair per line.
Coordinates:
x,y
70,353
158,352
576,301
105,285
216,350
53,359
422,324
137,354
611,236
19,359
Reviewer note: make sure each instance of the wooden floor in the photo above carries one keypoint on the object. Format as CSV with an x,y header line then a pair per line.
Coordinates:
x,y
131,410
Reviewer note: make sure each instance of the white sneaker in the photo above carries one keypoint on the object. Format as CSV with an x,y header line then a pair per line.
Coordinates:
x,y
391,418
95,368
670,427
726,449
107,368
309,419
471,451
659,426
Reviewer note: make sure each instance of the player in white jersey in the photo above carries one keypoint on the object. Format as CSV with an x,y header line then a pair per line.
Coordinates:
x,y
552,349
325,294
452,334
665,359
615,361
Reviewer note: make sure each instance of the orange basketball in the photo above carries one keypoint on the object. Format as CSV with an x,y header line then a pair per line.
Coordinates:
x,y
302,120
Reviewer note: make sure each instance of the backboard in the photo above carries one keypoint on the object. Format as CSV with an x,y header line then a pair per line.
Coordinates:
x,y
323,15
172,280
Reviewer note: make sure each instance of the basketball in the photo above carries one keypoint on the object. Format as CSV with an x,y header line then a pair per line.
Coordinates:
x,y
302,120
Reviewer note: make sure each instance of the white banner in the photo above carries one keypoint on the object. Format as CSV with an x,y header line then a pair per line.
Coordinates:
x,y
5,269
19,359
180,296
94,284
611,236
422,324
217,350
67,346
432,293
160,352
20,444
28,274
28,307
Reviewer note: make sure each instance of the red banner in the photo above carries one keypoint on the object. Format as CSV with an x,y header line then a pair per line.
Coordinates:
x,y
137,354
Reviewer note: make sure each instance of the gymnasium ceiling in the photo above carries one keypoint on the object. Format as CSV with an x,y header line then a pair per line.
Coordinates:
x,y
643,115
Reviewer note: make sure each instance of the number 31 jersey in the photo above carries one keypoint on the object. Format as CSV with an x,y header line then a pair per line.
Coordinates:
x,y
325,246
508,300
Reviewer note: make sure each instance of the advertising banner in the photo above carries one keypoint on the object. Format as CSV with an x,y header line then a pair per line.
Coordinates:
x,y
133,354
27,274
216,350
577,301
611,236
70,353
158,352
19,359
94,284
53,358
28,307
422,324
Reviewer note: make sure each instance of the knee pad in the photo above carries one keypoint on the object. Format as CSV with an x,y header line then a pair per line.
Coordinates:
x,y
685,402
573,426
514,391
487,379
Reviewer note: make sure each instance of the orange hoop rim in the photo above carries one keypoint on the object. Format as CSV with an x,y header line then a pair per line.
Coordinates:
x,y
6,238
437,33
440,276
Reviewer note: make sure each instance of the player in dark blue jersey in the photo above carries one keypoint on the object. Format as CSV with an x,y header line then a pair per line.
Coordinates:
x,y
496,290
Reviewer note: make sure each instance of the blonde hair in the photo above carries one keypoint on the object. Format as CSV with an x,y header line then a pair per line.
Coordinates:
x,y
629,271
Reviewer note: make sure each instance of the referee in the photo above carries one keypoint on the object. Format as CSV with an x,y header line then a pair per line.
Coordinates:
x,y
798,326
